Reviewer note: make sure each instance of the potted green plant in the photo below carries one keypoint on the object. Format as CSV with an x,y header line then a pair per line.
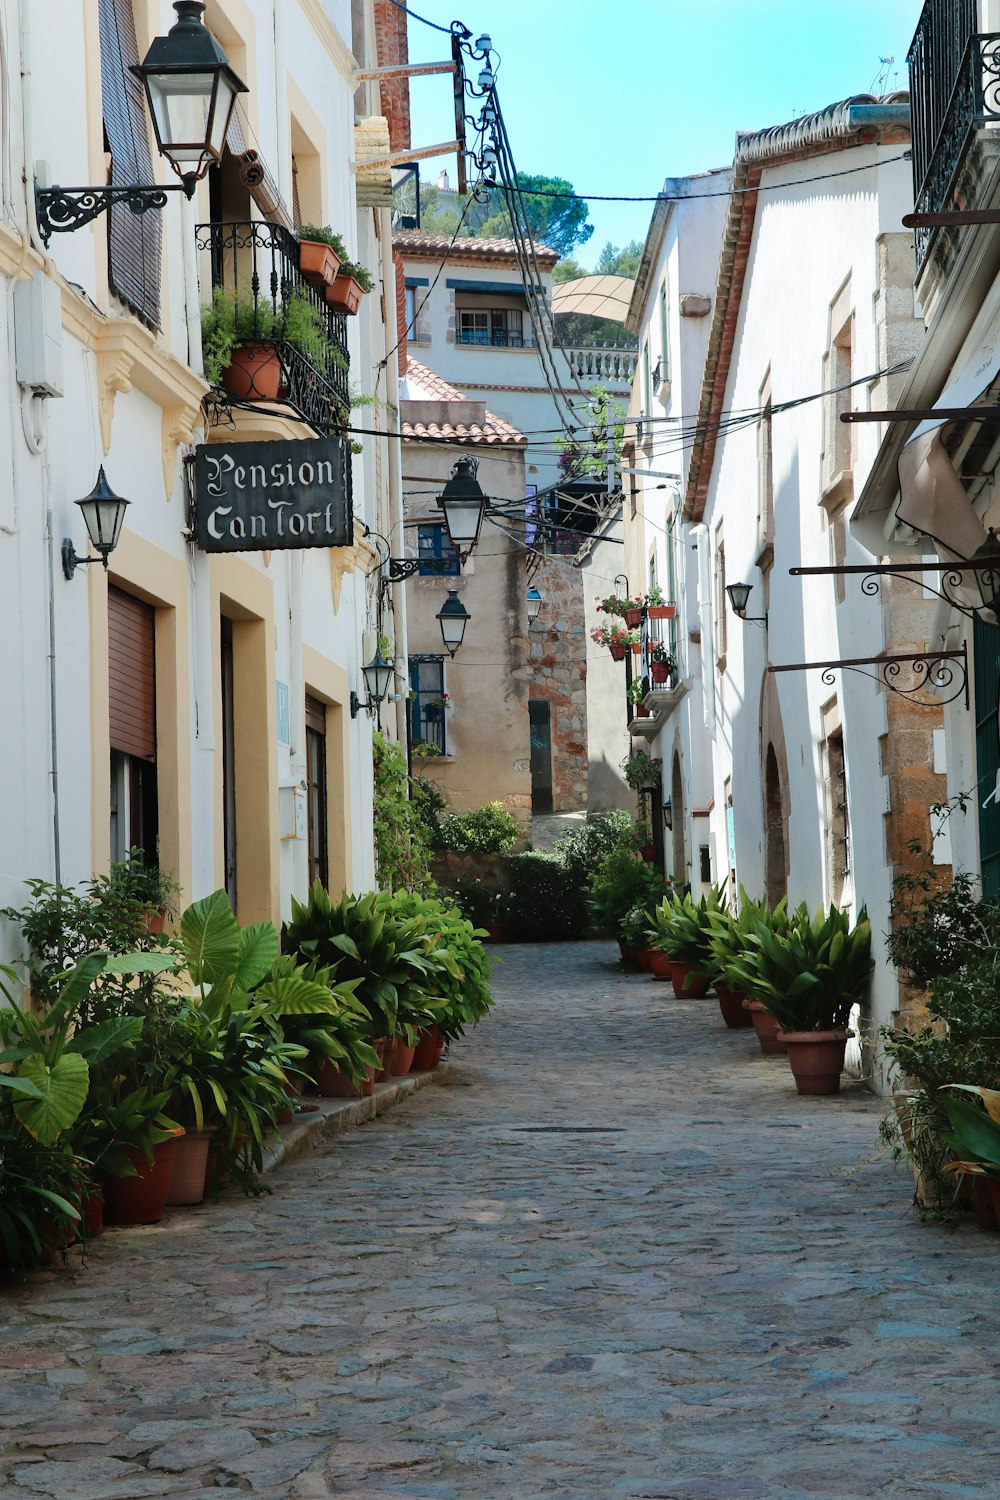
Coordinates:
x,y
974,1136
656,606
635,694
241,336
662,666
40,1198
727,945
617,639
810,976
642,770
321,253
682,930
351,284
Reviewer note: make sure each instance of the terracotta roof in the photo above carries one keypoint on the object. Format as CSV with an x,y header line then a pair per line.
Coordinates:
x,y
475,424
413,242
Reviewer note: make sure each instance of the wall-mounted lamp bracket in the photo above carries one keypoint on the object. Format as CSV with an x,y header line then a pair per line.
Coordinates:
x,y
951,576
60,210
929,670
70,560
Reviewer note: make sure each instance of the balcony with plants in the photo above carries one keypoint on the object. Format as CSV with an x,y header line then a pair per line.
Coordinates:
x,y
274,332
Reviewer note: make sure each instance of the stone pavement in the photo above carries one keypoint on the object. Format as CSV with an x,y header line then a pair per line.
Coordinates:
x,y
615,1255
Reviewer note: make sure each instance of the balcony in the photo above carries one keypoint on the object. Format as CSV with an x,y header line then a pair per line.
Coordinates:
x,y
607,364
954,94
497,338
257,264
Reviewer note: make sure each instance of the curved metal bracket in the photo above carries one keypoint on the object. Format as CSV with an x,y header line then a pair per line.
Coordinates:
x,y
60,210
399,568
929,670
950,576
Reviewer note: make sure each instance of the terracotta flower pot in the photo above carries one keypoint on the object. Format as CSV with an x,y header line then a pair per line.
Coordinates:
x,y
632,618
660,611
659,671
318,262
384,1046
659,963
92,1208
986,1203
816,1059
187,1182
402,1058
333,1083
766,1027
689,982
345,294
640,711
630,956
734,1012
617,652
646,959
636,648
141,1199
495,932
429,1049
254,373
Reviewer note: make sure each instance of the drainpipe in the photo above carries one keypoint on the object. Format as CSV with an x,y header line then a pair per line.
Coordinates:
x,y
396,530
699,535
281,117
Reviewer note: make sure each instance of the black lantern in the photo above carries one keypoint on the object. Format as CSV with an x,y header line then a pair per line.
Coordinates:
x,y
464,505
378,675
668,815
739,595
191,91
103,514
987,572
453,618
534,604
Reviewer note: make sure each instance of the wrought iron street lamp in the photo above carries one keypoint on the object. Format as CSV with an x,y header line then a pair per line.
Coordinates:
x,y
378,675
534,604
103,514
464,505
453,618
668,815
191,91
987,572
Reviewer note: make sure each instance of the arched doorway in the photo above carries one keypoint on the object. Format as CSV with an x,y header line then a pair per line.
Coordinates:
x,y
677,853
775,866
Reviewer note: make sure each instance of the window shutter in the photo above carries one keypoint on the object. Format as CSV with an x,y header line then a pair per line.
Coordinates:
x,y
134,240
132,675
315,714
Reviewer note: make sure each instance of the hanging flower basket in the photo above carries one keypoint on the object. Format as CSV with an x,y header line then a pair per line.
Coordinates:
x,y
617,651
317,262
661,611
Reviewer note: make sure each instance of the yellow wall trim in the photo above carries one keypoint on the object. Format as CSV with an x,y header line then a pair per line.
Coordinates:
x,y
343,59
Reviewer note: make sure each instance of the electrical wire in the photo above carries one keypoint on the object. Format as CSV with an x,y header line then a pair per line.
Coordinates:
x,y
447,30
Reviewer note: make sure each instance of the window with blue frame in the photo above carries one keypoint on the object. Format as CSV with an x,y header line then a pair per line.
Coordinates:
x,y
428,706
438,558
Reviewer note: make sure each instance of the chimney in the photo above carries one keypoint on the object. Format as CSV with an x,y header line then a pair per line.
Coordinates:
x,y
443,180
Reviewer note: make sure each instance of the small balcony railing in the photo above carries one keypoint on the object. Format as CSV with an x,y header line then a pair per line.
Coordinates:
x,y
257,264
499,338
954,91
603,362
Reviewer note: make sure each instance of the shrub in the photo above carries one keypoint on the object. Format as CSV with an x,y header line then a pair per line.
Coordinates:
x,y
582,851
402,839
620,882
541,906
485,830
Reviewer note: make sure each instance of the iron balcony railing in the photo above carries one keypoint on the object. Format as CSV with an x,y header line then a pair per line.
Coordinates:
x,y
498,338
954,91
256,264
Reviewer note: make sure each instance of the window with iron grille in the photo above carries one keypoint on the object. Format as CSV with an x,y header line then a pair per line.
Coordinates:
x,y
438,558
496,327
428,705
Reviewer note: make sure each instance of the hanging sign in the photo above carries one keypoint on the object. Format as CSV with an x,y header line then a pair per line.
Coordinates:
x,y
259,497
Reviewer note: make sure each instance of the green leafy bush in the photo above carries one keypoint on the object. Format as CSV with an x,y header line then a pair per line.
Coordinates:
x,y
540,905
810,974
936,924
582,851
621,882
683,927
402,834
484,830
455,992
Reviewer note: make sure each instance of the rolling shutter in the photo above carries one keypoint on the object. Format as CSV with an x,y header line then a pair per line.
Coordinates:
x,y
132,674
315,714
134,240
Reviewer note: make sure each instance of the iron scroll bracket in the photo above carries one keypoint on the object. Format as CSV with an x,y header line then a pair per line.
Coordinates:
x,y
950,578
60,210
928,671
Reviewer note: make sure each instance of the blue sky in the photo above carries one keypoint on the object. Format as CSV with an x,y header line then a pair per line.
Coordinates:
x,y
616,96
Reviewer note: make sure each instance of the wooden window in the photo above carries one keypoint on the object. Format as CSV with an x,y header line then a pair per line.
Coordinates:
x,y
132,725
437,556
316,793
134,240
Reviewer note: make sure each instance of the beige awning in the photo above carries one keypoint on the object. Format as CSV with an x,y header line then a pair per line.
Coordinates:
x,y
600,296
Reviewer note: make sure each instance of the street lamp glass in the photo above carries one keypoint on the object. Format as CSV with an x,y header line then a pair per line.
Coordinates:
x,y
668,815
739,594
453,618
103,514
191,91
988,574
378,676
534,604
463,504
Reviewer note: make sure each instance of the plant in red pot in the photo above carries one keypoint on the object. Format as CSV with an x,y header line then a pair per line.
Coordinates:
x,y
321,253
662,666
616,637
810,975
728,941
974,1137
351,284
683,929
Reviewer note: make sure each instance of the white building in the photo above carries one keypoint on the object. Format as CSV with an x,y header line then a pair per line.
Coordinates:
x,y
810,772
197,704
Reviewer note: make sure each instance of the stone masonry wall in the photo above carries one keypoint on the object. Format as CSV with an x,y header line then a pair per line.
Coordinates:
x,y
557,671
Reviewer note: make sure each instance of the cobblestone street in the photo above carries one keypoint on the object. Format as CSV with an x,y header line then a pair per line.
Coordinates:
x,y
612,1254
